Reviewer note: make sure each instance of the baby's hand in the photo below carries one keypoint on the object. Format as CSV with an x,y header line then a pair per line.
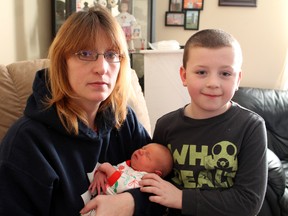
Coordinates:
x,y
99,182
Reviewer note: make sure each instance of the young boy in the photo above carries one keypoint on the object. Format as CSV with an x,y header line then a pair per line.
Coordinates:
x,y
219,147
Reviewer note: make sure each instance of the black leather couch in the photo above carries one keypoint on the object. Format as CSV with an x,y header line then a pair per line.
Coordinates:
x,y
272,105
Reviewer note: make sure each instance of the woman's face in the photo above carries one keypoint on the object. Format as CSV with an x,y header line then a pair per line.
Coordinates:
x,y
92,81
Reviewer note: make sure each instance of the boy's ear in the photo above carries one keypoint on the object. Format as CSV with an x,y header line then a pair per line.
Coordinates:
x,y
183,75
158,172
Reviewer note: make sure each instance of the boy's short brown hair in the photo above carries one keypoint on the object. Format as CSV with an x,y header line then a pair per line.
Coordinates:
x,y
211,38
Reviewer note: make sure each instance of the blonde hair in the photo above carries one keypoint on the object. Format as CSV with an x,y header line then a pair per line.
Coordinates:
x,y
80,31
212,38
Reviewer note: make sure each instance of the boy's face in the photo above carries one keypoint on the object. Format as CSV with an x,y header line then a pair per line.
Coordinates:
x,y
211,77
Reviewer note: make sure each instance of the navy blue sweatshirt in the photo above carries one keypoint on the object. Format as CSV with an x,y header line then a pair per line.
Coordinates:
x,y
44,169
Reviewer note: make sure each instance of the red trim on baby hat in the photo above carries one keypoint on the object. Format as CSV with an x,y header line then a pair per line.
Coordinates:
x,y
113,178
128,162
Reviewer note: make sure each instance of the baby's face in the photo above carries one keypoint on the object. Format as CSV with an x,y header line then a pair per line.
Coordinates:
x,y
145,159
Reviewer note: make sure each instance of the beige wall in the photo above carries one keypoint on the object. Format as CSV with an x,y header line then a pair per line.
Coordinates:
x,y
262,32
25,29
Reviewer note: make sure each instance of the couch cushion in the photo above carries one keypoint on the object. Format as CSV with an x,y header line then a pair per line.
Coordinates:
x,y
15,87
138,103
272,105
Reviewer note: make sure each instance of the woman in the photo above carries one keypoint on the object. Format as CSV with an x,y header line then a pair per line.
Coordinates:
x,y
76,116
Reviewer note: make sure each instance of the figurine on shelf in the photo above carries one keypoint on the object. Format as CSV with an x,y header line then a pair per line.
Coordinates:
x,y
127,22
101,2
113,7
86,7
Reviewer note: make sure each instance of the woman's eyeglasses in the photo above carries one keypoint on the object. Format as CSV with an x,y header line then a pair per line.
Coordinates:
x,y
110,56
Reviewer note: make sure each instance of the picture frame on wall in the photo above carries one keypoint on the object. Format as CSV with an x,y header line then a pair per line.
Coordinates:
x,y
175,5
192,18
174,18
193,4
239,3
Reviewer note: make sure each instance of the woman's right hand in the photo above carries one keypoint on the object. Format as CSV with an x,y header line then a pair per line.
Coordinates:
x,y
112,205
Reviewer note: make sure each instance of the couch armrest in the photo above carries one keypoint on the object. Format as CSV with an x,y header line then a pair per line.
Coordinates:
x,y
276,175
272,105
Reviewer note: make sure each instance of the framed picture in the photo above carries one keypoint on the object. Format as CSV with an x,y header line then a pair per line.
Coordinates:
x,y
114,7
142,10
193,4
241,3
175,5
174,18
192,19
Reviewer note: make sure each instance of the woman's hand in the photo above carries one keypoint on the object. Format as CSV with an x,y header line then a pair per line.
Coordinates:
x,y
166,194
112,205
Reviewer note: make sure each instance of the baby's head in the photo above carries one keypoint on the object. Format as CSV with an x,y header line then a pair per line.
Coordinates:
x,y
153,158
212,39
